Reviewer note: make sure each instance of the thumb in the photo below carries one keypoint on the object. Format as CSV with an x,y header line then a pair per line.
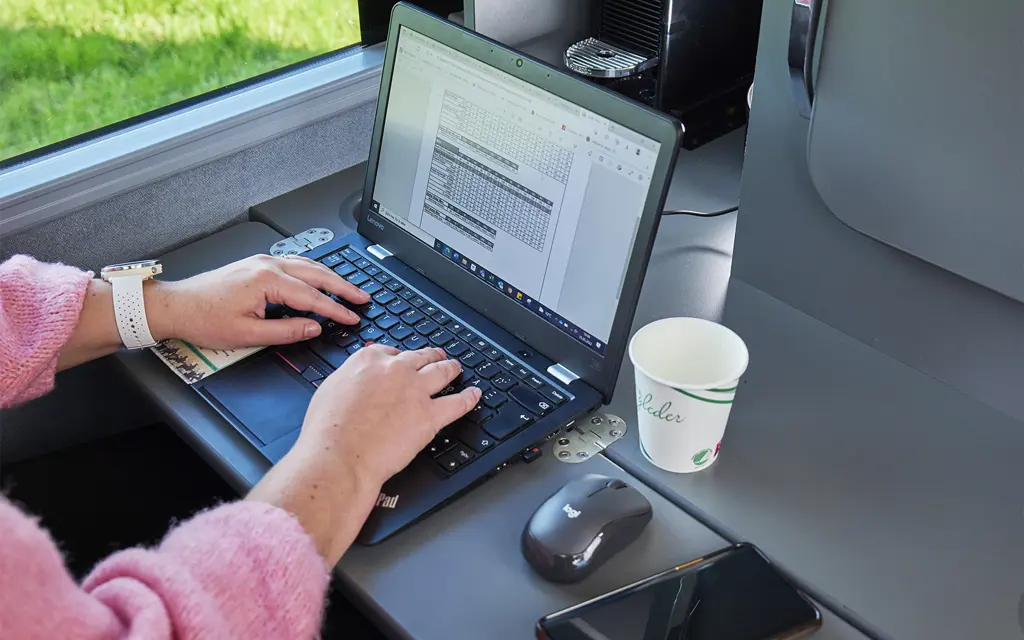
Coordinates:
x,y
263,333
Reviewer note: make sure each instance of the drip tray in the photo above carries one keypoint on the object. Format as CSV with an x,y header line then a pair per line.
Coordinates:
x,y
597,59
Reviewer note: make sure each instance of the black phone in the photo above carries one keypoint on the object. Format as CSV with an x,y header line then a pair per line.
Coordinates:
x,y
732,594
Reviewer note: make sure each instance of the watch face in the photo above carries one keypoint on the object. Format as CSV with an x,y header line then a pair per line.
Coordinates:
x,y
147,268
129,265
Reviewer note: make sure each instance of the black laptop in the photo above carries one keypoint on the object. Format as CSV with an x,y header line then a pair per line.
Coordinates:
x,y
508,216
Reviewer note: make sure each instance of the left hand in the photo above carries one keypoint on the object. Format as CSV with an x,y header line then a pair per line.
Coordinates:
x,y
226,308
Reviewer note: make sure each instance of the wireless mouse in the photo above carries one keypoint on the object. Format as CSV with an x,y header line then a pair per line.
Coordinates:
x,y
582,525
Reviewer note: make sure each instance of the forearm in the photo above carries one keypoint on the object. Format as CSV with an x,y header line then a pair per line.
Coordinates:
x,y
96,333
330,501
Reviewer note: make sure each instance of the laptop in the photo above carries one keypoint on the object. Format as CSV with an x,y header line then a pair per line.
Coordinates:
x,y
508,216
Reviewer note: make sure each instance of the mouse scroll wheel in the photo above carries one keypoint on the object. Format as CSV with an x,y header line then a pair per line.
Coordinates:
x,y
616,484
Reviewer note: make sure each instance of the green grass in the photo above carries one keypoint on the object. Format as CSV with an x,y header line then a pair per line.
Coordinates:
x,y
71,66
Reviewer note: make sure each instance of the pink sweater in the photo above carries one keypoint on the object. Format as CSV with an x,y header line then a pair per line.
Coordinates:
x,y
242,570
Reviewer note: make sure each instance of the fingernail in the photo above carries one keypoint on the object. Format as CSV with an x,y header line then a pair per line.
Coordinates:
x,y
441,351
475,392
312,329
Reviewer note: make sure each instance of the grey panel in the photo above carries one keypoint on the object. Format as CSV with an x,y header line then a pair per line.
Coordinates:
x,y
314,205
916,136
789,245
173,212
886,490
459,574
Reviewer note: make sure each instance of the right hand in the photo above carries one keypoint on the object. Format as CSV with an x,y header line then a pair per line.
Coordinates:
x,y
366,422
376,412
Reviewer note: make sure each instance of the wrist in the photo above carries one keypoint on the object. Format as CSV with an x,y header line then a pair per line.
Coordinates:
x,y
160,308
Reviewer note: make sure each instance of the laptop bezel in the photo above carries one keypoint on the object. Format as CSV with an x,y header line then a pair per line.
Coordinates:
x,y
600,372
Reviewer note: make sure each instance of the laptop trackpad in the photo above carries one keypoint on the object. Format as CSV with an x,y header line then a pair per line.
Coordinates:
x,y
263,396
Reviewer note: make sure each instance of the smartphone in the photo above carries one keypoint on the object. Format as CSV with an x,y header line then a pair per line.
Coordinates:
x,y
732,594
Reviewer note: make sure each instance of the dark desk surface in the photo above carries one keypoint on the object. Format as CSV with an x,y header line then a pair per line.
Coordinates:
x,y
459,571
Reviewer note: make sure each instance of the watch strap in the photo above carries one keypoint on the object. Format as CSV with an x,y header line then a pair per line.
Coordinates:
x,y
130,312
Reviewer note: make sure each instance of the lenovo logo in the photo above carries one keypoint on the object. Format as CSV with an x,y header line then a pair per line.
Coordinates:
x,y
375,222
386,501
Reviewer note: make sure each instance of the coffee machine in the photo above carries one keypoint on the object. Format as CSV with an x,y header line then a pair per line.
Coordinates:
x,y
693,59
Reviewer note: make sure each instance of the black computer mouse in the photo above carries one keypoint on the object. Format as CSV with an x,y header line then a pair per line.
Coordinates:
x,y
582,525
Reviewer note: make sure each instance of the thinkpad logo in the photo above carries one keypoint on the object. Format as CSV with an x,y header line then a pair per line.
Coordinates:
x,y
569,511
386,501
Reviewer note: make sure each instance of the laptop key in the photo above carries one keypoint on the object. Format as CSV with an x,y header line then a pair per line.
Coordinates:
x,y
356,347
503,381
441,444
471,434
533,381
508,420
456,348
400,332
521,372
362,263
332,260
371,333
442,318
395,286
372,270
371,287
398,307
383,297
493,398
346,339
492,353
374,311
487,370
357,278
458,456
480,413
388,341
417,302
455,327
350,253
440,337
415,342
479,383
382,278
412,317
467,335
405,294
426,327
531,400
386,321
507,364
429,309
479,343
471,359
344,269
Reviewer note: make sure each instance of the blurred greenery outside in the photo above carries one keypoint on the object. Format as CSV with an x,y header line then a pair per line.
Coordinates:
x,y
70,66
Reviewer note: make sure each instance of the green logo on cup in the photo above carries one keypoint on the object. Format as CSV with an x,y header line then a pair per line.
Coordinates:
x,y
701,457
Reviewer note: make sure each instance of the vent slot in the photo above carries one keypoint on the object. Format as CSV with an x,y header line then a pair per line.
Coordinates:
x,y
635,25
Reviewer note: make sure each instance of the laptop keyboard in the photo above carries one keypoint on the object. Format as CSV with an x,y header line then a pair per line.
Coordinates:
x,y
513,396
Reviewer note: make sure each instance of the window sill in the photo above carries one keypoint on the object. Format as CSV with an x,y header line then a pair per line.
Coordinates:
x,y
47,187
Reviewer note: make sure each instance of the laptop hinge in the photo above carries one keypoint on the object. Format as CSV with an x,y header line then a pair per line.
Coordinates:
x,y
562,373
378,251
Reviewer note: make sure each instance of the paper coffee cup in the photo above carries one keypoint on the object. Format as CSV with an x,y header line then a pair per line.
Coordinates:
x,y
687,373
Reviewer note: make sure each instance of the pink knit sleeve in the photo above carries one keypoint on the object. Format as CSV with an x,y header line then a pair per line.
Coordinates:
x,y
39,308
242,570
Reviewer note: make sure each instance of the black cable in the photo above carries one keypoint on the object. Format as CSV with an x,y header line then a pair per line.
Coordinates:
x,y
699,214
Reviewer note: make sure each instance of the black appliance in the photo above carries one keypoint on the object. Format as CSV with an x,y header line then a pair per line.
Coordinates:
x,y
693,59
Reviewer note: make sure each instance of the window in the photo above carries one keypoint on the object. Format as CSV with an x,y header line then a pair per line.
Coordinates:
x,y
72,69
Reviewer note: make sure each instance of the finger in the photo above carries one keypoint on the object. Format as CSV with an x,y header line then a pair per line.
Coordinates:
x,y
437,375
422,357
381,349
323,278
299,295
448,409
261,333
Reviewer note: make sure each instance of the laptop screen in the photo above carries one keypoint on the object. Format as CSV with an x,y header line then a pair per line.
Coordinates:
x,y
535,196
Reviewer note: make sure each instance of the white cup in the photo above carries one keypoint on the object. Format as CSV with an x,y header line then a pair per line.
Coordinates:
x,y
687,371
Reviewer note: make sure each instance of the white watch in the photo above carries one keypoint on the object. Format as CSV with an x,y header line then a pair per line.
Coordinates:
x,y
129,305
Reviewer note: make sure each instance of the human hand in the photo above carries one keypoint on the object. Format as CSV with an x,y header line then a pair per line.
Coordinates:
x,y
226,308
366,422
